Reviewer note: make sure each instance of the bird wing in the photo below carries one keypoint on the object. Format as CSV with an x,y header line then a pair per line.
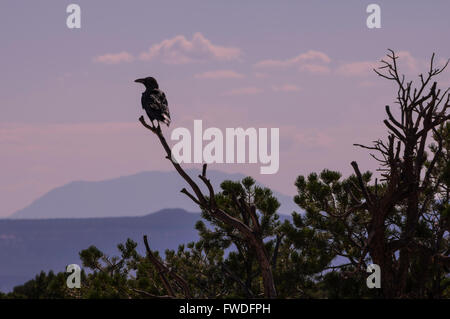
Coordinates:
x,y
160,101
165,108
165,105
156,99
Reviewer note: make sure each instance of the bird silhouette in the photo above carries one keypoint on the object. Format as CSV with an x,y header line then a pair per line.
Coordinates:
x,y
154,101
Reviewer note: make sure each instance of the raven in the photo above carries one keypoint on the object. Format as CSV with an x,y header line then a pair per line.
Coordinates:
x,y
154,101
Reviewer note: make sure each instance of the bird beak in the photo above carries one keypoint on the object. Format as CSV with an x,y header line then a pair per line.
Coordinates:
x,y
139,81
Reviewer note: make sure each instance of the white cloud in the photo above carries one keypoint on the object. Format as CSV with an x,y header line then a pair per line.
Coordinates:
x,y
356,68
179,50
409,61
312,61
286,88
114,58
244,91
315,68
406,64
219,74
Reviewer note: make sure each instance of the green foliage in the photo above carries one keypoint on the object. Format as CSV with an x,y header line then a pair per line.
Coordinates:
x,y
241,261
323,252
43,286
313,255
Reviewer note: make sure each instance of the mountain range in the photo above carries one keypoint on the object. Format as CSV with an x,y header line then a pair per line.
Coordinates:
x,y
31,245
50,232
134,195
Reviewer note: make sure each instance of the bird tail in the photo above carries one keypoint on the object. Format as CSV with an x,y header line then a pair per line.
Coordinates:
x,y
166,120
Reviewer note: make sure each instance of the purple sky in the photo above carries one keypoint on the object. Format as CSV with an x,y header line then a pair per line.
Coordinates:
x,y
69,106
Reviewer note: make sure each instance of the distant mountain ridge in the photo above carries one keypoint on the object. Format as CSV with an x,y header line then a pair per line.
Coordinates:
x,y
134,195
31,245
28,246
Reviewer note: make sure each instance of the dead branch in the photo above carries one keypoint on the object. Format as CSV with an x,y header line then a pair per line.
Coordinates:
x,y
211,208
163,270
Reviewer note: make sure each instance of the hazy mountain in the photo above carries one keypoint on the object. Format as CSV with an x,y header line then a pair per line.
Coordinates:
x,y
32,245
49,233
134,195
29,246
